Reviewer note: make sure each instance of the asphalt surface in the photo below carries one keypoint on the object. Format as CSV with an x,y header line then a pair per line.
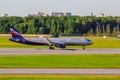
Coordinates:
x,y
71,71
35,51
62,71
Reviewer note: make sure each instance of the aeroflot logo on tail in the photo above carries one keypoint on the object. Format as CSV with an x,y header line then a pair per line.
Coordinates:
x,y
13,32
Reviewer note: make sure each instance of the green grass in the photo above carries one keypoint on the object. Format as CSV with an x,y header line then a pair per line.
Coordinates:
x,y
61,61
5,43
59,77
98,43
105,43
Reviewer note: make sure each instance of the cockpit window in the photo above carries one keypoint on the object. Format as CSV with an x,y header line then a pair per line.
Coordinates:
x,y
88,40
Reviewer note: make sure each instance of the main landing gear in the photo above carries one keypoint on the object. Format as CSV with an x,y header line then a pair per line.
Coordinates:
x,y
51,47
83,47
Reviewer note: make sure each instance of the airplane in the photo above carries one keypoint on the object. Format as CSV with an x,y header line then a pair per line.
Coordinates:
x,y
51,42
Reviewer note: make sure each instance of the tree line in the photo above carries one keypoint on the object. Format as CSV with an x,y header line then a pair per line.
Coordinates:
x,y
84,25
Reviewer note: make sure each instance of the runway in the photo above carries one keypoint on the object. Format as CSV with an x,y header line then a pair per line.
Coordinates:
x,y
35,51
60,71
67,71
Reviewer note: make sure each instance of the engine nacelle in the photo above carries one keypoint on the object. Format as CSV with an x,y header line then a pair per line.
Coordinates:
x,y
60,45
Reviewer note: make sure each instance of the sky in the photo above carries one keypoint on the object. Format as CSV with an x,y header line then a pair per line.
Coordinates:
x,y
76,7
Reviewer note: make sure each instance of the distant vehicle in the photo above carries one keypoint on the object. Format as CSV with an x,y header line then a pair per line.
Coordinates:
x,y
51,42
118,36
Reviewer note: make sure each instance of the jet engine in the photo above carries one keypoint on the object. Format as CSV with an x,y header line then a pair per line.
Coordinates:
x,y
60,45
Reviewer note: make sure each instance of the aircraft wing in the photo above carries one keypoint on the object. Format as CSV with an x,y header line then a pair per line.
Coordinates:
x,y
56,43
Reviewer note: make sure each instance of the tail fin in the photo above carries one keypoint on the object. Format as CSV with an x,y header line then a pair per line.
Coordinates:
x,y
15,35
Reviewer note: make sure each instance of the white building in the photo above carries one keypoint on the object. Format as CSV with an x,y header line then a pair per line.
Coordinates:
x,y
61,14
38,14
4,15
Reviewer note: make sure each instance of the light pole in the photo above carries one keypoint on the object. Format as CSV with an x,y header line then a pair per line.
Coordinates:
x,y
118,26
97,29
103,30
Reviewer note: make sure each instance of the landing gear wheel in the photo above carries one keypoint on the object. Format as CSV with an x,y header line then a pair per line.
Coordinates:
x,y
51,47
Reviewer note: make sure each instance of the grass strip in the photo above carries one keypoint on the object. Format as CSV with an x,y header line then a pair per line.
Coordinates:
x,y
61,61
59,77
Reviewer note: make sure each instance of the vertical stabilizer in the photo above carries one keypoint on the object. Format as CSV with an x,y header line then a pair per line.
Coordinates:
x,y
15,35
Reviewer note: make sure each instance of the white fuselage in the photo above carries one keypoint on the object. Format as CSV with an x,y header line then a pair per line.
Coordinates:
x,y
67,41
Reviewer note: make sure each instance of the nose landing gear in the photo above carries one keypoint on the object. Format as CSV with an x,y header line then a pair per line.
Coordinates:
x,y
83,47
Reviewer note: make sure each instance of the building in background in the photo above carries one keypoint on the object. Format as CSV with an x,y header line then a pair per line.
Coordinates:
x,y
61,14
67,14
38,14
4,15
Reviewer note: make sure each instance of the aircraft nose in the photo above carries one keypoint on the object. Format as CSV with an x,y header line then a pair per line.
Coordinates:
x,y
90,42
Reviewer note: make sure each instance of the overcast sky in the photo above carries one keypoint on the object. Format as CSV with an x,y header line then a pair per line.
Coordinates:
x,y
76,7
